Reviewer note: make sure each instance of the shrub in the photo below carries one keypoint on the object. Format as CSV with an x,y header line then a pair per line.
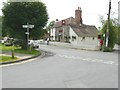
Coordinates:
x,y
107,49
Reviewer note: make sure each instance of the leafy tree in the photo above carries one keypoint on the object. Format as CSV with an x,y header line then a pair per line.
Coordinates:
x,y
112,34
16,14
50,25
116,26
118,34
0,26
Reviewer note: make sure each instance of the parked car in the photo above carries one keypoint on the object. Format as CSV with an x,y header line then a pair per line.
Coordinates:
x,y
33,43
2,41
8,44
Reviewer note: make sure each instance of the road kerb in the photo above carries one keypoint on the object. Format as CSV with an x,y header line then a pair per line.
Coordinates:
x,y
25,59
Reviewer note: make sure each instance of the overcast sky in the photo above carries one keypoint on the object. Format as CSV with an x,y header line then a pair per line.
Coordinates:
x,y
91,9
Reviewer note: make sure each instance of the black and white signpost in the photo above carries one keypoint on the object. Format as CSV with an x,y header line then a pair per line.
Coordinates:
x,y
28,26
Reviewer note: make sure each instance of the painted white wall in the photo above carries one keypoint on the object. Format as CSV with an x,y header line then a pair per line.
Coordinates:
x,y
88,42
72,33
52,33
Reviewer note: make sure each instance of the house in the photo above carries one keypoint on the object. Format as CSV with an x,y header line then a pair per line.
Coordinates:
x,y
73,31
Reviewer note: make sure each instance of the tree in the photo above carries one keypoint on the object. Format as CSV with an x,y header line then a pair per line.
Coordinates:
x,y
16,14
118,34
50,25
112,34
116,26
0,26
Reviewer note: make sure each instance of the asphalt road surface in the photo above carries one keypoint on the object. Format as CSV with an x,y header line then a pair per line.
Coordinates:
x,y
64,68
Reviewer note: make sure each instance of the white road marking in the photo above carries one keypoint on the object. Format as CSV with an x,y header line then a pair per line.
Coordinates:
x,y
88,59
109,62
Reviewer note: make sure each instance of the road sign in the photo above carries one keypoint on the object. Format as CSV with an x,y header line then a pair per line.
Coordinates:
x,y
28,26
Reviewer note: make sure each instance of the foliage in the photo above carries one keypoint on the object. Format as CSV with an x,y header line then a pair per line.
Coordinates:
x,y
0,26
112,34
116,26
18,50
50,25
16,14
106,49
118,34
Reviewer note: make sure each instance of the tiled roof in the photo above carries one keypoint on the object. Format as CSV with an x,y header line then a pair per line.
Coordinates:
x,y
84,30
67,21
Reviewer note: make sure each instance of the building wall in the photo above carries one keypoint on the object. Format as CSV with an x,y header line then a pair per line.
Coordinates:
x,y
73,41
52,34
60,36
119,12
85,43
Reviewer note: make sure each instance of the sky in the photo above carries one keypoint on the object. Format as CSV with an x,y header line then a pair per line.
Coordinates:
x,y
91,9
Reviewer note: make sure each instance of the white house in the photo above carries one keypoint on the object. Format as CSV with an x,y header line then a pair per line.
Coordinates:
x,y
83,36
73,31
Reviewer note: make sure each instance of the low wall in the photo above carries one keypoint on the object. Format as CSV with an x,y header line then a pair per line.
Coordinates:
x,y
70,45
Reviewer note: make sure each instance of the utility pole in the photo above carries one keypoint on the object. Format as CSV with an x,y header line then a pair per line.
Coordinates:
x,y
108,26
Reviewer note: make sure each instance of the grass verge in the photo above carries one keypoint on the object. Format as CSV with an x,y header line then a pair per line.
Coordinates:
x,y
32,52
16,50
7,48
7,59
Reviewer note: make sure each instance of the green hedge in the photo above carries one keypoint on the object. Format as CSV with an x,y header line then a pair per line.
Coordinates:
x,y
106,49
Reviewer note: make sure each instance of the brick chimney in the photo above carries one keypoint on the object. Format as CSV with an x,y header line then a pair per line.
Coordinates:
x,y
78,16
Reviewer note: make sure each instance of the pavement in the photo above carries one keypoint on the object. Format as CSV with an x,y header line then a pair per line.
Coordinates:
x,y
18,55
88,47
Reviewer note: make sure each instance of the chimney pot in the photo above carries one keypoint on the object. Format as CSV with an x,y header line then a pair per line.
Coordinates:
x,y
79,8
78,16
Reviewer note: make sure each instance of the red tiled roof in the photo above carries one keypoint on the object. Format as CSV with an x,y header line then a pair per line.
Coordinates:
x,y
67,22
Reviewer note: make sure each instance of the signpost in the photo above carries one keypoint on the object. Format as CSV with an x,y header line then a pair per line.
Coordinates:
x,y
28,26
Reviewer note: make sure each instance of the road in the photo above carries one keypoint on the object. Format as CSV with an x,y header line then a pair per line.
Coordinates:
x,y
64,68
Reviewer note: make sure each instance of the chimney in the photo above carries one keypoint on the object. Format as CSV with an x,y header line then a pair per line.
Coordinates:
x,y
78,16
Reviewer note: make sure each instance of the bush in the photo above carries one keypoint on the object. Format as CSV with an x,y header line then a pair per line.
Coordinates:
x,y
107,49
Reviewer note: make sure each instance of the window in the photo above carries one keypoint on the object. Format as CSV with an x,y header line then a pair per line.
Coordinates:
x,y
83,38
73,38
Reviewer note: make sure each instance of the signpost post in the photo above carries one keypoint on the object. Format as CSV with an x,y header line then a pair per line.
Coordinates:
x,y
28,26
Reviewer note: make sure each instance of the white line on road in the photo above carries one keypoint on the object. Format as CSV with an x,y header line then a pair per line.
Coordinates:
x,y
88,59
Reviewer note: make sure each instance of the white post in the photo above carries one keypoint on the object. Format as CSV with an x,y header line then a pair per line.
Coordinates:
x,y
27,35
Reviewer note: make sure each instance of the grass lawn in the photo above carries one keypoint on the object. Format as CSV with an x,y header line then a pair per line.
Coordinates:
x,y
6,59
32,52
18,50
7,48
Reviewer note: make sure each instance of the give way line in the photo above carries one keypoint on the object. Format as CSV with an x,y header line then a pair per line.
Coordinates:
x,y
88,59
